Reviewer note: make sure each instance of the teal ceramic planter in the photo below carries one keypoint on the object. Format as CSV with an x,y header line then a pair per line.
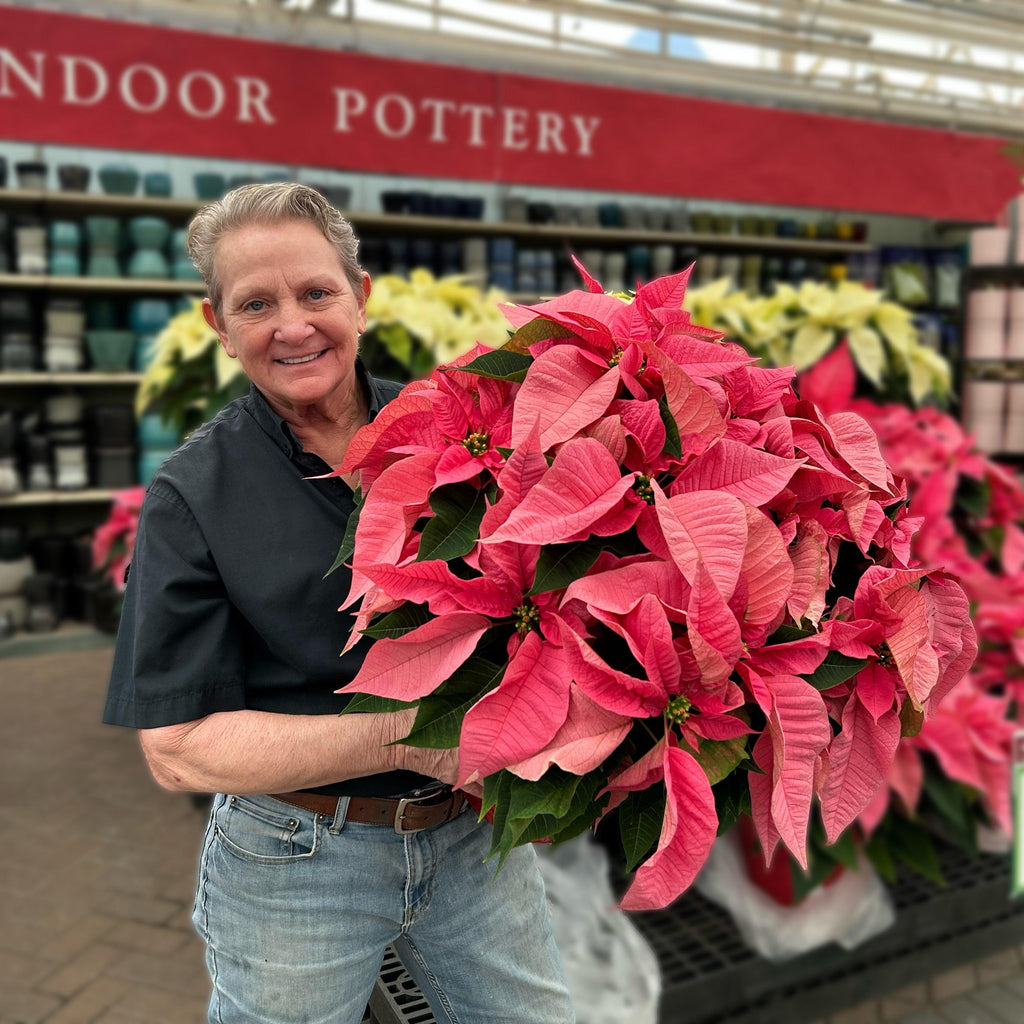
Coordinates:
x,y
110,351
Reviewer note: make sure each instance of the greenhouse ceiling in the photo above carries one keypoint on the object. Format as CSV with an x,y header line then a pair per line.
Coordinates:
x,y
956,64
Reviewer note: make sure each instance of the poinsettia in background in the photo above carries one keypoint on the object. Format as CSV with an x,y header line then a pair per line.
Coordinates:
x,y
114,539
622,567
953,775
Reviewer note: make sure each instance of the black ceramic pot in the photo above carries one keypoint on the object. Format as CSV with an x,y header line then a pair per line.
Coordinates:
x,y
73,177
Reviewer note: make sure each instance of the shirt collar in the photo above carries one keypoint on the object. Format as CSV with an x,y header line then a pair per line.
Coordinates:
x,y
279,431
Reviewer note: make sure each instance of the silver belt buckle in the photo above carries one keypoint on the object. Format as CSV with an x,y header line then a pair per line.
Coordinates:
x,y
404,802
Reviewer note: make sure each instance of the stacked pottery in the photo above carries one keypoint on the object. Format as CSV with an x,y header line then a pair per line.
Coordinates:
x,y
5,242
30,245
149,236
15,568
65,245
10,480
65,429
985,328
474,259
985,339
182,268
502,263
103,237
17,339
112,445
156,440
65,327
147,318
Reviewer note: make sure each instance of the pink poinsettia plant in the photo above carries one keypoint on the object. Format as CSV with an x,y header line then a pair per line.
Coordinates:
x,y
973,519
113,542
620,566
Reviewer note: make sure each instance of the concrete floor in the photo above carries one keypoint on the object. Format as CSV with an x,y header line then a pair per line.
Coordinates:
x,y
97,870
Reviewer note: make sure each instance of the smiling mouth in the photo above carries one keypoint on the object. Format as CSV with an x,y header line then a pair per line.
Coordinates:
x,y
301,359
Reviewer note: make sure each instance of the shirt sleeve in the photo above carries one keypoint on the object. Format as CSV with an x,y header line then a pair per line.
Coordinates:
x,y
179,651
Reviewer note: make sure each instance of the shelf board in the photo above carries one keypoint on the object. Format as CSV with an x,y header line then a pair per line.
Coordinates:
x,y
94,201
28,499
87,377
419,224
396,223
101,284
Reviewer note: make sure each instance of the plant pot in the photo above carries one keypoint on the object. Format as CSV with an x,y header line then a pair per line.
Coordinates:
x,y
209,185
113,468
153,434
777,880
110,350
119,179
112,425
103,233
149,462
157,184
149,232
73,177
148,263
30,174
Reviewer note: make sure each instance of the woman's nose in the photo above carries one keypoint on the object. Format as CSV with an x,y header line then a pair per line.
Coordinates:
x,y
293,326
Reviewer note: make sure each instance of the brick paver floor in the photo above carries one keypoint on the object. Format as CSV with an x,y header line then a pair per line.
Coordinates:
x,y
97,863
97,868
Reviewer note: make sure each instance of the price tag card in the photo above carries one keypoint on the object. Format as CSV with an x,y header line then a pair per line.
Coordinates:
x,y
1017,874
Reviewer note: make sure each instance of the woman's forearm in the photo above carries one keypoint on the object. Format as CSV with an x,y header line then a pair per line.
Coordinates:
x,y
261,752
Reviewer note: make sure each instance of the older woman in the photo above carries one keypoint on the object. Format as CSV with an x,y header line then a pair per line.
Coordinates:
x,y
324,843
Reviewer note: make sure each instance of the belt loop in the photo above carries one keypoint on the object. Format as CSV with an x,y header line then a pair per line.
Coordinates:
x,y
341,811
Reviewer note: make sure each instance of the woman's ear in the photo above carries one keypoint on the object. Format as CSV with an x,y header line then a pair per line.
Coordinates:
x,y
362,302
211,318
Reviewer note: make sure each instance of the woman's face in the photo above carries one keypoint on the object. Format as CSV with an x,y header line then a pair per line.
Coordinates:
x,y
289,314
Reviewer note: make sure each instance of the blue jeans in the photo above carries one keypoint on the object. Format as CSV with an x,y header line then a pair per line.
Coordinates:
x,y
296,909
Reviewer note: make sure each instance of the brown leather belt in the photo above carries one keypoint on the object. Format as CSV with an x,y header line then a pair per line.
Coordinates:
x,y
404,814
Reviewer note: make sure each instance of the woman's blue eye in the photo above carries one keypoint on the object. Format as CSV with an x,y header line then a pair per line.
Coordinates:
x,y
316,293
256,305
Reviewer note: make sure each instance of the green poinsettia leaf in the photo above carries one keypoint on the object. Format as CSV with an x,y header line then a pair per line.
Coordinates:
x,y
835,669
973,496
455,525
732,798
559,564
719,758
539,329
439,716
787,633
496,791
640,818
880,856
911,844
911,719
953,802
348,542
501,364
673,442
399,622
551,794
579,815
368,703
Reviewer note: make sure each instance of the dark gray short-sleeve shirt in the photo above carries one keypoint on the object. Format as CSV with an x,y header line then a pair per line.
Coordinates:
x,y
226,605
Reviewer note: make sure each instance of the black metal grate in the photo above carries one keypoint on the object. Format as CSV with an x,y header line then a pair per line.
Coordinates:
x,y
396,999
710,976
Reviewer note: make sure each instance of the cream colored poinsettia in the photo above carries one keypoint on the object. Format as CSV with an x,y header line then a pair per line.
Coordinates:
x,y
186,337
448,315
798,326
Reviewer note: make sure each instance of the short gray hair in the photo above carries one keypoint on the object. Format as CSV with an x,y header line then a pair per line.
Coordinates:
x,y
268,204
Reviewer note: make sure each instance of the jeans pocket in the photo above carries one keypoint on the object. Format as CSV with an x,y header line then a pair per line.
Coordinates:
x,y
254,833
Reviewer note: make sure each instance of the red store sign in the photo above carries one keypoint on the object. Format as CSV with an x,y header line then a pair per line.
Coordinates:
x,y
92,82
